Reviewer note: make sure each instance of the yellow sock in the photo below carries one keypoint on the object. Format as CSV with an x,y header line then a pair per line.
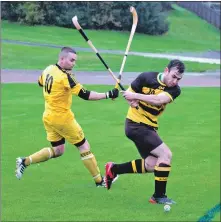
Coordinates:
x,y
90,163
40,156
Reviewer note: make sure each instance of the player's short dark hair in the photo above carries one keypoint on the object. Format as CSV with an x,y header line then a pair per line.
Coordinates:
x,y
68,49
178,64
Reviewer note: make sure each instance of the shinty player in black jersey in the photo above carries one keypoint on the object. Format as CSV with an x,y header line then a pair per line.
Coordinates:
x,y
151,91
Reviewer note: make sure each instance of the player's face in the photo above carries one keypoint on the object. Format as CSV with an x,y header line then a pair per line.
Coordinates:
x,y
69,61
172,77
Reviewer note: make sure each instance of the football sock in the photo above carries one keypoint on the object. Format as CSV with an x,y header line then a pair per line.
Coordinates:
x,y
90,163
40,156
134,166
161,173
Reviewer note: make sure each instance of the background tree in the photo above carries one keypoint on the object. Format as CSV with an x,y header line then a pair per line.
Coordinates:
x,y
92,15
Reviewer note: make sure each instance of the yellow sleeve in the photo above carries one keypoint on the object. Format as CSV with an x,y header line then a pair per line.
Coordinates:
x,y
76,89
71,83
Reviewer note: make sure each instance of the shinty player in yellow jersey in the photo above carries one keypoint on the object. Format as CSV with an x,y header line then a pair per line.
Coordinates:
x,y
151,92
59,121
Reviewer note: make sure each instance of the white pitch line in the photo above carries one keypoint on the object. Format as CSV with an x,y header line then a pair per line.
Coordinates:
x,y
183,58
194,74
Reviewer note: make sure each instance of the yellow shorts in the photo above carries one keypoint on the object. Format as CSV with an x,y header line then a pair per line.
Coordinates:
x,y
63,126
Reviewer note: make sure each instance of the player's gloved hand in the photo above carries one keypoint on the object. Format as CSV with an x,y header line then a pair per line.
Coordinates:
x,y
114,93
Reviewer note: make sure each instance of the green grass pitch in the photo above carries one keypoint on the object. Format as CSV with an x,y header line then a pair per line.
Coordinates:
x,y
62,189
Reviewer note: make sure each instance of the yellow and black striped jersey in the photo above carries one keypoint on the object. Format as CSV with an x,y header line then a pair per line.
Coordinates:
x,y
149,83
58,86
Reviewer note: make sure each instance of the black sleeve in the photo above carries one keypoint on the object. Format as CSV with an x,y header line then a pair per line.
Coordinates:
x,y
174,91
84,94
71,80
138,83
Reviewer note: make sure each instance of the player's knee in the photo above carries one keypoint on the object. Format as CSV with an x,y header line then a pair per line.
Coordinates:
x,y
149,168
84,147
169,154
59,150
150,163
58,147
167,157
166,153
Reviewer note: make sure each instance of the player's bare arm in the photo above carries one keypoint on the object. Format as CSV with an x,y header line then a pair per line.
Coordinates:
x,y
96,96
110,94
157,100
92,95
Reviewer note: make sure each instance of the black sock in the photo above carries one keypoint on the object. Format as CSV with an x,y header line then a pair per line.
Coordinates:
x,y
161,173
134,166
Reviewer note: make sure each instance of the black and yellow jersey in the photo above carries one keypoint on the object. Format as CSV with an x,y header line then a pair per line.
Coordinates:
x,y
58,86
149,83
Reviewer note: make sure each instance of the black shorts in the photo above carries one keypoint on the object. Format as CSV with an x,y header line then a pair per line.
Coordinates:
x,y
145,137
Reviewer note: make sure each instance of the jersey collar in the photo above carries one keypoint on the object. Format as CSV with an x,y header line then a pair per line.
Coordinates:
x,y
59,67
159,76
63,70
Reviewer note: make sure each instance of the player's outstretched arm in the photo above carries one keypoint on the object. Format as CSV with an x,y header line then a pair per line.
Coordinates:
x,y
92,95
112,94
